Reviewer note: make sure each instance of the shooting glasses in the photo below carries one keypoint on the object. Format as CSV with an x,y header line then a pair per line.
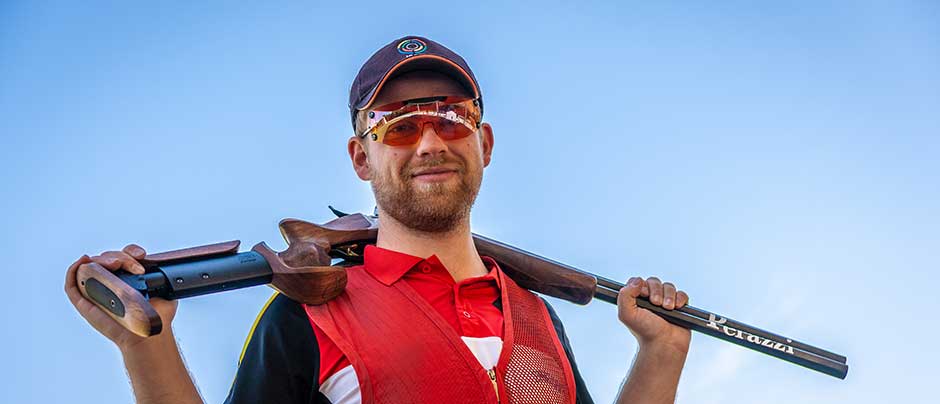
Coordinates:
x,y
403,123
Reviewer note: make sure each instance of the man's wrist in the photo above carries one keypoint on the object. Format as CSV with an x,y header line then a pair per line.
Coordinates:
x,y
664,351
155,345
157,372
654,377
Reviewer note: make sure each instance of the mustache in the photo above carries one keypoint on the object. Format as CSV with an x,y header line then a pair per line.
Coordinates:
x,y
434,163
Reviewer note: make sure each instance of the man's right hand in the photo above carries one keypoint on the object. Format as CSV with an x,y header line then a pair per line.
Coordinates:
x,y
154,364
125,259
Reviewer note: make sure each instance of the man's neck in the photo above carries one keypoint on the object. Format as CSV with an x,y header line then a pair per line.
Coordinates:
x,y
454,248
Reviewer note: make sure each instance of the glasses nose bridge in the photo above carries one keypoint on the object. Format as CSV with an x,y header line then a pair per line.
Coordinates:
x,y
430,140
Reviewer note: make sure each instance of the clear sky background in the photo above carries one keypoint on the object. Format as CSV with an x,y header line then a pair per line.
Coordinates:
x,y
777,160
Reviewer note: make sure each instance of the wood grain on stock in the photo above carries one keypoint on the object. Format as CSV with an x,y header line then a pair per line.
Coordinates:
x,y
139,316
303,272
205,251
337,231
539,274
313,284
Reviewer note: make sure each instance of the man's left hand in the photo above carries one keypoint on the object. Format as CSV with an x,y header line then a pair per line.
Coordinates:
x,y
649,329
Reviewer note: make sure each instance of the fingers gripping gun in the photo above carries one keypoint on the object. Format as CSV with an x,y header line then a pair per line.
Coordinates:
x,y
303,272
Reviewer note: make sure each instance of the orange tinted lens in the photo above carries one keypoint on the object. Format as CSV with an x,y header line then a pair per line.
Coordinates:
x,y
450,130
402,133
408,131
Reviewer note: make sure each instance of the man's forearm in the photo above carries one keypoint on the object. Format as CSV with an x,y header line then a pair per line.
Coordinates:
x,y
157,372
654,377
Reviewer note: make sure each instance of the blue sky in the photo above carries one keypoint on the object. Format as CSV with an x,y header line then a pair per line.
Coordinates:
x,y
777,161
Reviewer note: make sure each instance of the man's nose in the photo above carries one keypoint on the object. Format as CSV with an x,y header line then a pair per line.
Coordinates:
x,y
430,143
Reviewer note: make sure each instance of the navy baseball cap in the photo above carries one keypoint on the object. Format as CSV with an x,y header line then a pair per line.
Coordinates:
x,y
403,55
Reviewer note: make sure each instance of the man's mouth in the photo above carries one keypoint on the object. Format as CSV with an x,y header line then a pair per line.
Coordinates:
x,y
434,174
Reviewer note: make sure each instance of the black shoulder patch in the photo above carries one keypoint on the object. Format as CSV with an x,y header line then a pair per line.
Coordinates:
x,y
281,359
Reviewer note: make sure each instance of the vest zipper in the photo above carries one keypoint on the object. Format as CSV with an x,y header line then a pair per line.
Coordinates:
x,y
492,373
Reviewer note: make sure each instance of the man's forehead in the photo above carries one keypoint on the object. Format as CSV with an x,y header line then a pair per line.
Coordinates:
x,y
419,84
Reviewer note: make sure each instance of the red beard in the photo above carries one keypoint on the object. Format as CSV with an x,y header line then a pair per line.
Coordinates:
x,y
434,207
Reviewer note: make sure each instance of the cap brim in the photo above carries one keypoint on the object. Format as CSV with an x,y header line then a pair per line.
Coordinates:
x,y
422,62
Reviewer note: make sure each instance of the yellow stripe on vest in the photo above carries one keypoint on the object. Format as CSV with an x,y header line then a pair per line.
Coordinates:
x,y
252,331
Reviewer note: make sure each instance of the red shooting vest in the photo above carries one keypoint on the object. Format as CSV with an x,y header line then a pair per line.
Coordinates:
x,y
403,351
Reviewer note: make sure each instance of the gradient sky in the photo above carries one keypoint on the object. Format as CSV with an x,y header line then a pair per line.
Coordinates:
x,y
779,161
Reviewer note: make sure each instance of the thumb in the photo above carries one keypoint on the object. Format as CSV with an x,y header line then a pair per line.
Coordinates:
x,y
626,300
135,251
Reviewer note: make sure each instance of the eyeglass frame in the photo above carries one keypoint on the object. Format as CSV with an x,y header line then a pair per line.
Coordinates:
x,y
475,114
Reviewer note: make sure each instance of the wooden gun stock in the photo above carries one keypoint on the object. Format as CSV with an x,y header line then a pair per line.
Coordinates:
x,y
538,273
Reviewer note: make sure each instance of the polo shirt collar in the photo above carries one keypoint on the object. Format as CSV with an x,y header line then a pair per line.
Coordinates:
x,y
388,266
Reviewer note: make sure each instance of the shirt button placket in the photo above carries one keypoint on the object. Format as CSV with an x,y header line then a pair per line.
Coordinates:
x,y
459,303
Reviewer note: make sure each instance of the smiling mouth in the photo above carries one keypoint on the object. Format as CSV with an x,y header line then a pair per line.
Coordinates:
x,y
433,172
434,175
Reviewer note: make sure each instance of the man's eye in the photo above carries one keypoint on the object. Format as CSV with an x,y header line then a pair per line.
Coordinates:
x,y
402,128
448,124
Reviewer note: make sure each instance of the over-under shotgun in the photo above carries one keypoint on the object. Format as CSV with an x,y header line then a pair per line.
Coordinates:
x,y
304,272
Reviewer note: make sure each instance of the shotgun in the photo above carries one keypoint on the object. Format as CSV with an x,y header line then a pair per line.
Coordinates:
x,y
305,273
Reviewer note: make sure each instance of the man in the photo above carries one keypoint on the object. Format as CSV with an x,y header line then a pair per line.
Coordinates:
x,y
425,318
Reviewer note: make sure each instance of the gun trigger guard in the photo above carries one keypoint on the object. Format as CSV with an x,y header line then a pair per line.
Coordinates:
x,y
192,253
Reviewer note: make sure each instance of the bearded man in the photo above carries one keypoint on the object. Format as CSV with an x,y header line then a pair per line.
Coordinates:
x,y
425,318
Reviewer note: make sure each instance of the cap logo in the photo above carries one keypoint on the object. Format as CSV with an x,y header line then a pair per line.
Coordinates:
x,y
411,47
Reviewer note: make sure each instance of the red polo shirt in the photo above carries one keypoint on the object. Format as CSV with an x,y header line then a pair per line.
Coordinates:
x,y
468,305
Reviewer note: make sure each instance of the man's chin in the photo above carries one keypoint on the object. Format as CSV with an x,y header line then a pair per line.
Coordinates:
x,y
435,189
435,199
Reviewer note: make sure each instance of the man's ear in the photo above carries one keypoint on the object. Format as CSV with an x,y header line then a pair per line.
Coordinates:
x,y
486,132
359,158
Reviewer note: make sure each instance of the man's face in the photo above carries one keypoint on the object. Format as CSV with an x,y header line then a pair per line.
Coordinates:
x,y
429,186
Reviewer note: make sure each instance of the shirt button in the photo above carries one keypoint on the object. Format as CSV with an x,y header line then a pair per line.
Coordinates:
x,y
466,314
425,269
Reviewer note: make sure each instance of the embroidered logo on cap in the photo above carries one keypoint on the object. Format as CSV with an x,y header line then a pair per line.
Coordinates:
x,y
412,47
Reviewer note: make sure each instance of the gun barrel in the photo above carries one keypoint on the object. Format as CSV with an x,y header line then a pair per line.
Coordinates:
x,y
737,333
555,279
